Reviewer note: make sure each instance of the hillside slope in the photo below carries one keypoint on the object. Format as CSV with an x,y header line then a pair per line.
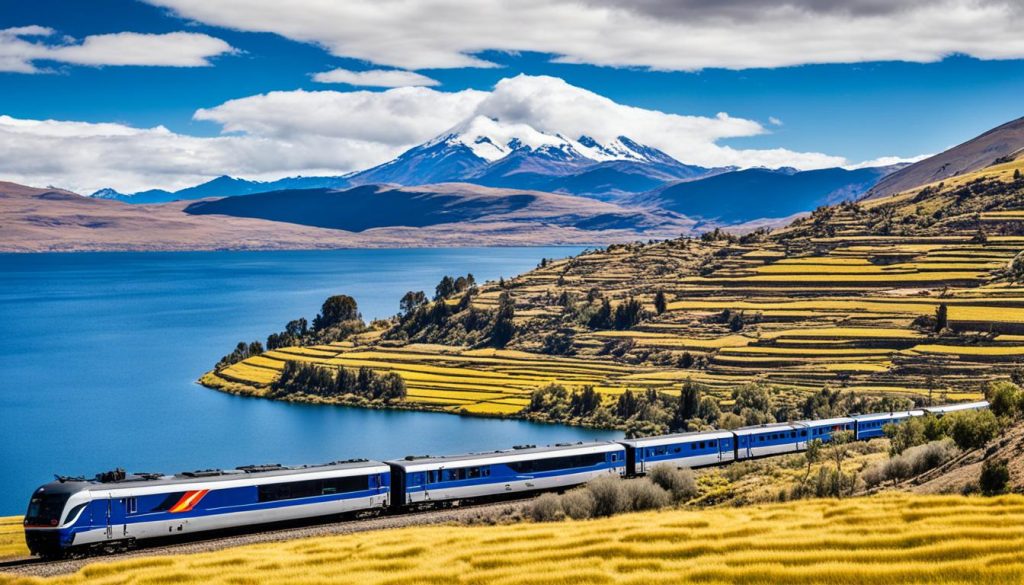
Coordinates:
x,y
1006,141
907,298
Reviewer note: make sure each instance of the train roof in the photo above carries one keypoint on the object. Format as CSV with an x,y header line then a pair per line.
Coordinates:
x,y
788,426
521,453
244,474
955,407
837,420
887,415
677,438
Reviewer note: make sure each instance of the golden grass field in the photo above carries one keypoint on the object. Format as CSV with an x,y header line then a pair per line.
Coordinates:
x,y
12,537
886,539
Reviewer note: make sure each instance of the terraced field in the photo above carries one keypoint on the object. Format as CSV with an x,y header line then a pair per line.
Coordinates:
x,y
881,539
847,298
12,537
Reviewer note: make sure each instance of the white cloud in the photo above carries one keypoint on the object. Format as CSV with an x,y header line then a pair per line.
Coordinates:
x,y
659,34
774,121
19,54
328,132
884,161
375,78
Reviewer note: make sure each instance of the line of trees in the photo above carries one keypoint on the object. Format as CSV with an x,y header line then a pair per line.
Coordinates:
x,y
311,379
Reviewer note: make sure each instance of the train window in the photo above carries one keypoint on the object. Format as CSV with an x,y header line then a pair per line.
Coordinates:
x,y
792,434
677,449
432,476
761,438
312,488
44,510
131,505
487,471
702,444
614,457
712,443
554,463
803,433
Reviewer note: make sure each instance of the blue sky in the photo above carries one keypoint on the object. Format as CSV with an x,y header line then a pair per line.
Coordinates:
x,y
859,111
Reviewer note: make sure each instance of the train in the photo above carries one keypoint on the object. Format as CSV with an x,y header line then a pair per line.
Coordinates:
x,y
116,511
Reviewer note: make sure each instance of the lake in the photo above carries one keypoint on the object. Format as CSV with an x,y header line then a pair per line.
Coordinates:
x,y
101,352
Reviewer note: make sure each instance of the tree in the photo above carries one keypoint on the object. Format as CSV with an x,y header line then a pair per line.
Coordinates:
x,y
904,435
297,327
602,318
336,309
1016,175
995,474
660,303
628,314
1005,399
503,328
559,343
811,456
444,289
411,301
971,429
941,317
838,448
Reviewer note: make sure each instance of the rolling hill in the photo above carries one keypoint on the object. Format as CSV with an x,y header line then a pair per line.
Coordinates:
x,y
749,194
34,220
1000,144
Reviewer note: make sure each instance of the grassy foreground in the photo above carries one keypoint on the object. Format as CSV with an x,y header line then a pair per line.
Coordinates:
x,y
12,537
882,539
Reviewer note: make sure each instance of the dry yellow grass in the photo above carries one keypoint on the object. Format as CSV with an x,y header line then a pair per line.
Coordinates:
x,y
884,539
12,537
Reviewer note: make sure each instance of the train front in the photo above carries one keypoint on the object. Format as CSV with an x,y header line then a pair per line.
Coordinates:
x,y
49,517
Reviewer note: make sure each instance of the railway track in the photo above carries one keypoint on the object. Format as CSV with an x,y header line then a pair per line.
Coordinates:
x,y
31,566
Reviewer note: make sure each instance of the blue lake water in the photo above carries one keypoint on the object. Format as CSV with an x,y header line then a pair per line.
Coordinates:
x,y
101,352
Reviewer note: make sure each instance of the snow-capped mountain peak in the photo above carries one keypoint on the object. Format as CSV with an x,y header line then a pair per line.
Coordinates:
x,y
492,140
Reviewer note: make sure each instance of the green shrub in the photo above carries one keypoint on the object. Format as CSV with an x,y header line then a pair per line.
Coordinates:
x,y
995,475
971,429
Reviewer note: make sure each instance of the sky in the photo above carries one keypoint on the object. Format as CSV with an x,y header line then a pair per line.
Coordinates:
x,y
169,93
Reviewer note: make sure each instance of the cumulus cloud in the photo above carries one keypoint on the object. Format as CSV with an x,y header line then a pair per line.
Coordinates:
x,y
375,78
22,47
659,34
328,132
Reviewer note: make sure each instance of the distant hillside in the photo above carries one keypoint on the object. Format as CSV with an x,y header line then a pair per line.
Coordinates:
x,y
749,194
47,220
373,206
223,186
1002,143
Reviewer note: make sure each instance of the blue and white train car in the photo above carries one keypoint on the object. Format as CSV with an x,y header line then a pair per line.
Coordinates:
x,y
64,515
870,426
941,410
682,450
822,429
772,439
422,480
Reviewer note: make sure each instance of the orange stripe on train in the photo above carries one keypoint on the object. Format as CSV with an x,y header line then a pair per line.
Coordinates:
x,y
188,501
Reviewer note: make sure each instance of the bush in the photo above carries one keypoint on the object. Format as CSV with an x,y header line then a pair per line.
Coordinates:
x,y
971,429
995,475
929,456
608,496
547,508
680,483
643,494
1006,399
579,504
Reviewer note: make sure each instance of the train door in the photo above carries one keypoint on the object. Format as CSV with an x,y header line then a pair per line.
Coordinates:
x,y
110,528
